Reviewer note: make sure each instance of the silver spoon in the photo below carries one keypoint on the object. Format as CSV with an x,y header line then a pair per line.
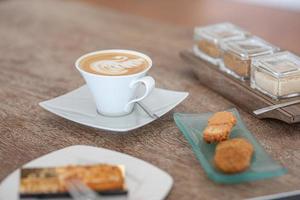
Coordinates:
x,y
147,110
273,107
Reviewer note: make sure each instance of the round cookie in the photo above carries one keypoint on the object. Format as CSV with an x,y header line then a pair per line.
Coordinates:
x,y
234,155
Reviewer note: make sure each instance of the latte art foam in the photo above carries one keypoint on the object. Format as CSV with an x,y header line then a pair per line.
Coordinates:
x,y
118,65
114,64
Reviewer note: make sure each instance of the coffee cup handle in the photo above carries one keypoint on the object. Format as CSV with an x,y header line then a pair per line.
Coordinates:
x,y
149,83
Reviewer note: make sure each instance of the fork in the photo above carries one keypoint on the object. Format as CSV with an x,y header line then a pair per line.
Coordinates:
x,y
79,191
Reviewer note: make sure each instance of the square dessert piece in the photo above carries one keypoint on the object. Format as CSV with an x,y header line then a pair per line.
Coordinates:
x,y
277,75
208,39
238,55
217,133
223,117
219,127
53,182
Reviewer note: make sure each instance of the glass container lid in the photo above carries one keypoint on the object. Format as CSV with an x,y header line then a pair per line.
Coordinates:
x,y
219,32
280,64
249,47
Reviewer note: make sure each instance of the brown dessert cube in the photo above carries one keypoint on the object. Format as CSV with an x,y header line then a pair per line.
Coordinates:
x,y
209,38
236,64
209,48
238,55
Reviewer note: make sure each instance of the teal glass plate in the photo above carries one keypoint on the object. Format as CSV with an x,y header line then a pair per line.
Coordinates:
x,y
262,165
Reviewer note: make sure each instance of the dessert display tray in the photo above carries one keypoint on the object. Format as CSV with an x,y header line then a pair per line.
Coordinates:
x,y
262,165
238,92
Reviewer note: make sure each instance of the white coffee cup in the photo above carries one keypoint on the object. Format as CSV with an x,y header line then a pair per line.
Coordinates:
x,y
116,95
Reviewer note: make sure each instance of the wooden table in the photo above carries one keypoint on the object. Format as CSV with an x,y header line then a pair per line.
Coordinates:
x,y
279,26
40,41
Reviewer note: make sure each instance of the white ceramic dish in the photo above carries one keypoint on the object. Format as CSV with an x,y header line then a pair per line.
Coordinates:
x,y
78,106
144,181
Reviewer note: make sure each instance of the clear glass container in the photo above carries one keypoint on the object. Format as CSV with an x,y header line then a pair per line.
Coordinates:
x,y
208,40
277,75
238,55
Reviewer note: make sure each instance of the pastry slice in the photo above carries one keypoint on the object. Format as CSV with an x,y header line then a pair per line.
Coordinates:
x,y
222,118
97,177
53,182
219,127
217,133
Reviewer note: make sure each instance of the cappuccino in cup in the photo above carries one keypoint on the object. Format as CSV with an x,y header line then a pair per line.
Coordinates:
x,y
113,77
114,64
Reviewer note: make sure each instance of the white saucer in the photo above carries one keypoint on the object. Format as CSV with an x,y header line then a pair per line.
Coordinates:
x,y
144,181
78,106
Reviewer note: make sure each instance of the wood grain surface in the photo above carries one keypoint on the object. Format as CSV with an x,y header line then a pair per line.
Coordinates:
x,y
40,41
277,25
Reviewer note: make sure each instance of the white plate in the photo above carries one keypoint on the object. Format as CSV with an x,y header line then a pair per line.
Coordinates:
x,y
144,181
78,106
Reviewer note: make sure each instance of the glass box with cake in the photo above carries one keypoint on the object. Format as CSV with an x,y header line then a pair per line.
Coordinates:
x,y
209,38
277,75
238,55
